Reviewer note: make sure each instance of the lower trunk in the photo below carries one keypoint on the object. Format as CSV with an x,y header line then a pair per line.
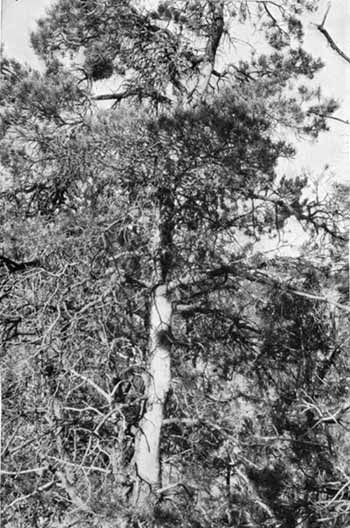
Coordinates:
x,y
147,441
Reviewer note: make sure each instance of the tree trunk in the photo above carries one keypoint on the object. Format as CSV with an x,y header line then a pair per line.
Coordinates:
x,y
147,442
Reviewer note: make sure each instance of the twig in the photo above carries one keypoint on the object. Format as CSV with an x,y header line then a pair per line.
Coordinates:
x,y
23,471
92,384
326,116
45,487
326,15
79,466
138,92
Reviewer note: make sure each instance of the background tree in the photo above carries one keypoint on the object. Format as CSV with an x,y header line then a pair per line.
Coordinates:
x,y
128,242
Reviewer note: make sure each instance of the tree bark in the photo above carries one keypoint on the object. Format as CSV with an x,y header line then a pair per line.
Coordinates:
x,y
147,441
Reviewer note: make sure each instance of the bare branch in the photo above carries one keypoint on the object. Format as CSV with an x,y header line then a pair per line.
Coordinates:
x,y
326,15
79,466
329,39
71,492
264,279
332,44
326,116
45,487
23,471
274,20
253,276
137,92
92,384
115,96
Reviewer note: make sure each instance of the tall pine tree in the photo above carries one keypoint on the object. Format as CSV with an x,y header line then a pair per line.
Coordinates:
x,y
157,362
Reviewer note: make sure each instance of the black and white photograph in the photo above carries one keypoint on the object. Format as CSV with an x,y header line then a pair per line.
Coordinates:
x,y
174,263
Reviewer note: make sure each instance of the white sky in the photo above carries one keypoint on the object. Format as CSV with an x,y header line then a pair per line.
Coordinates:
x,y
331,149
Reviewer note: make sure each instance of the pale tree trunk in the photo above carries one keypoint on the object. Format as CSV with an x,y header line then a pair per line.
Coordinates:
x,y
147,443
147,440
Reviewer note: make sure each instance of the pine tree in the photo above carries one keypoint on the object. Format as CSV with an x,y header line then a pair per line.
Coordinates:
x,y
146,334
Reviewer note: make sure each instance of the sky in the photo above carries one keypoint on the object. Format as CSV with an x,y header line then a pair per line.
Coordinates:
x,y
332,149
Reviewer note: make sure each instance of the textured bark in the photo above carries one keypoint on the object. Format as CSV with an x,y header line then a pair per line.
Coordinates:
x,y
147,442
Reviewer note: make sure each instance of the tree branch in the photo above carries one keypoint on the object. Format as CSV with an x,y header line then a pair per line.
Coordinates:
x,y
216,32
255,276
137,92
38,469
270,281
326,116
326,15
103,393
329,39
40,489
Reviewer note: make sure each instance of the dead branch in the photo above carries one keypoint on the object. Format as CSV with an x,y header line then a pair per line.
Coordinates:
x,y
252,276
76,500
39,470
138,92
326,116
329,39
40,489
103,393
